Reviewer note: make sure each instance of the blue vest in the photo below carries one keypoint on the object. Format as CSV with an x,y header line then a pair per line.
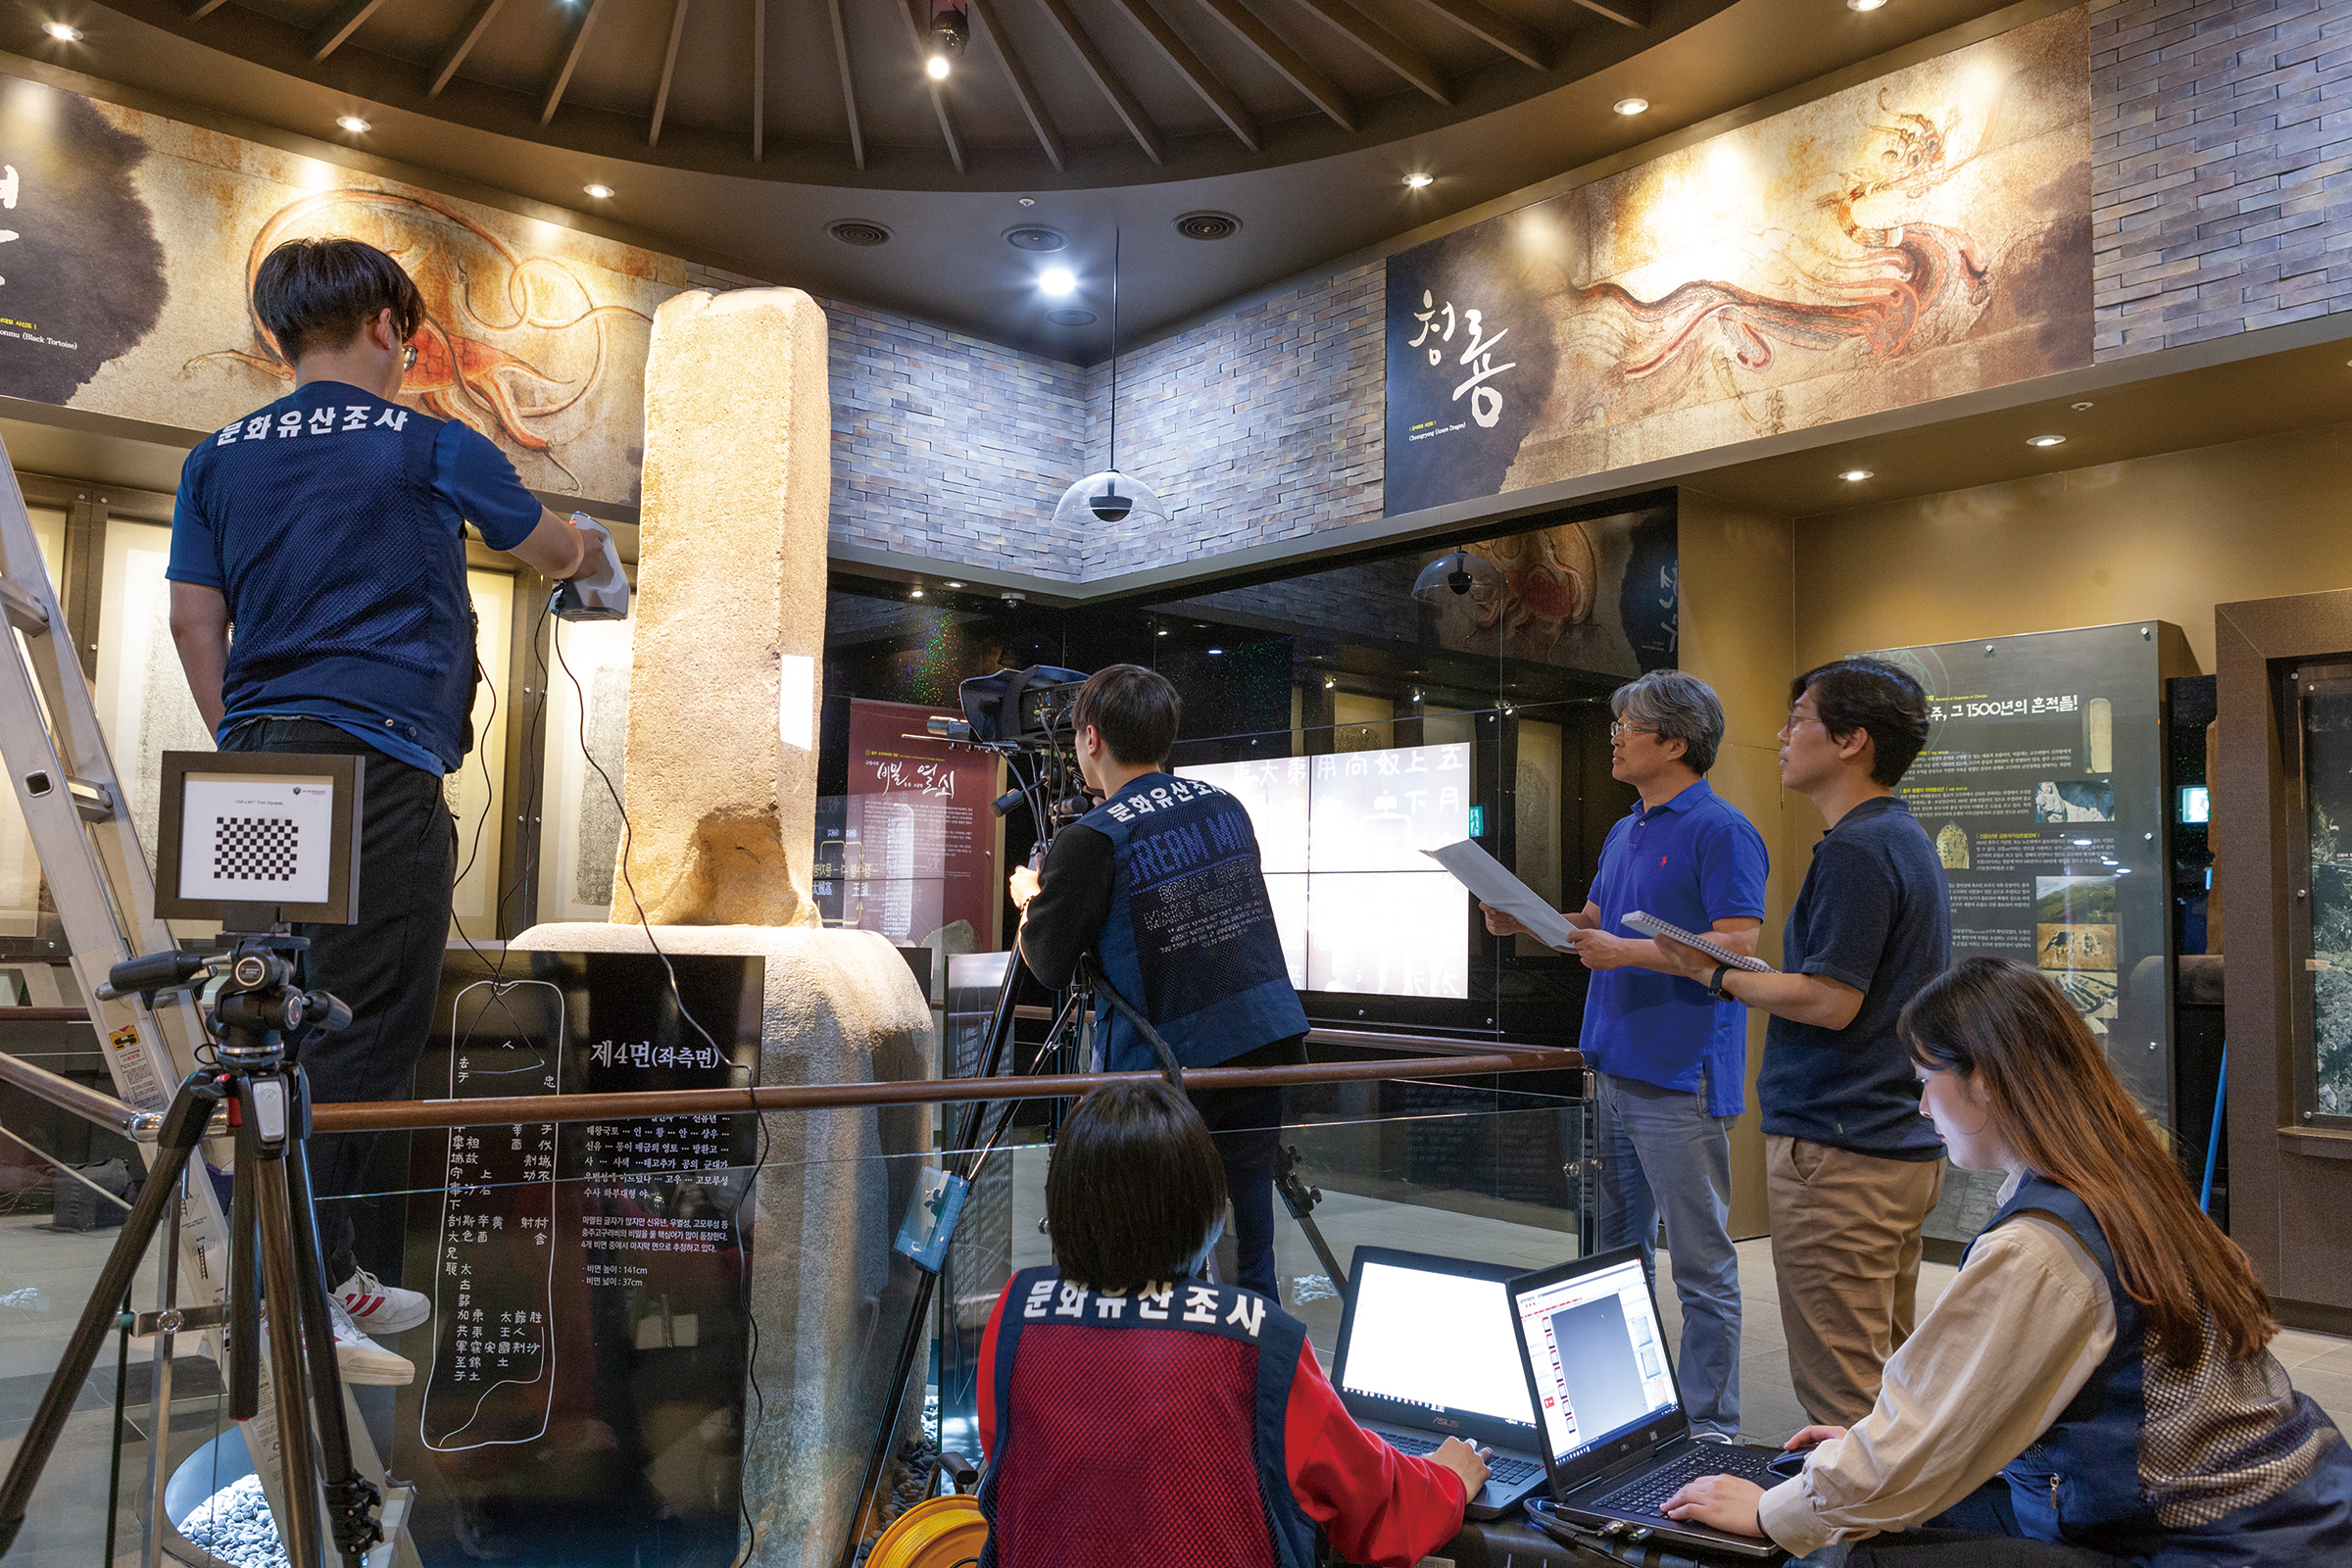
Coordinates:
x,y
1142,1428
1191,939
2210,1464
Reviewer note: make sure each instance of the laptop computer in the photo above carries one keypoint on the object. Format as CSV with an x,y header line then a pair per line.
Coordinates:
x,y
1425,1354
1615,1438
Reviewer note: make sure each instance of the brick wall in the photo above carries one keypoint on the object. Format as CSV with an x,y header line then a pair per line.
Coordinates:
x,y
2220,167
947,446
1259,425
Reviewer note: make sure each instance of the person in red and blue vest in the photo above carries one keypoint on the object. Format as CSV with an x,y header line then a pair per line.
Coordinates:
x,y
1131,1411
2103,1346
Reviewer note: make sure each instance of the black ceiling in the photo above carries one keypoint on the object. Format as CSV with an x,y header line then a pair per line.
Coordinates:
x,y
727,131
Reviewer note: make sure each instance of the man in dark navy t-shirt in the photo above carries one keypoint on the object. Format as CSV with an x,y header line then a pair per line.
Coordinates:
x,y
327,530
1670,1059
1851,1170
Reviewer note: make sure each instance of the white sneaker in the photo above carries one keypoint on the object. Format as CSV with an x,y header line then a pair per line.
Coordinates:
x,y
380,1309
361,1359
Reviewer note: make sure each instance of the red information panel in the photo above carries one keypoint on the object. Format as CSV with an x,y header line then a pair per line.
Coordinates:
x,y
918,840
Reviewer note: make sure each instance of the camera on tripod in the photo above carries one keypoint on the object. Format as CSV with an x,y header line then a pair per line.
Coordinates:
x,y
1026,712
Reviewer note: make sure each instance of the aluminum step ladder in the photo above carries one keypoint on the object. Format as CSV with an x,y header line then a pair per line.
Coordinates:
x,y
98,877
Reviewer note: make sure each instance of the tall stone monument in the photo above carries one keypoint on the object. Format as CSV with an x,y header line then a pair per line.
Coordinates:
x,y
721,823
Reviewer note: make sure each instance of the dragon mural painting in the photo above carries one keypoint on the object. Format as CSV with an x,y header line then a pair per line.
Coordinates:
x,y
490,313
1924,234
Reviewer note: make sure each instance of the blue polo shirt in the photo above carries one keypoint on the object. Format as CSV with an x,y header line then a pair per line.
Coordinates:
x,y
333,525
1691,861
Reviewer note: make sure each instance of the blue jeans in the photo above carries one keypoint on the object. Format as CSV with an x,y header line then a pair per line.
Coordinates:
x,y
1662,1155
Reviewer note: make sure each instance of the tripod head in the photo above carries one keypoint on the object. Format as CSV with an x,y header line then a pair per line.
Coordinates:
x,y
257,1006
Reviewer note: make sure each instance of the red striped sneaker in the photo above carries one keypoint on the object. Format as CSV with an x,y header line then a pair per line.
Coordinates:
x,y
379,1308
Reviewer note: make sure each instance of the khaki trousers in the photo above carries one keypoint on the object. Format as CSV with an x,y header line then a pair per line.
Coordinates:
x,y
1845,1246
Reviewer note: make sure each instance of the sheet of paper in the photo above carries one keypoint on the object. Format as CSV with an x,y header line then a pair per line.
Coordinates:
x,y
1496,888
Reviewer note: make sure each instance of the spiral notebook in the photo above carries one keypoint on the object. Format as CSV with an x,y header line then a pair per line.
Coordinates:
x,y
1650,925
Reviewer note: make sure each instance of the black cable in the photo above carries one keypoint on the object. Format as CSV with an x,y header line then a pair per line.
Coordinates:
x,y
481,755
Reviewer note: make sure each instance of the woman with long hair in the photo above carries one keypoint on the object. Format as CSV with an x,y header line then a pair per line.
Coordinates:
x,y
2103,1346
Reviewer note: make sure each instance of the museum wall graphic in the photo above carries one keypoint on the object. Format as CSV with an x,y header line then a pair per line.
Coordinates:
x,y
1914,237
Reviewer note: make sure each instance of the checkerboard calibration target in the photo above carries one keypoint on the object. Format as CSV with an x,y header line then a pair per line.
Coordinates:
x,y
256,849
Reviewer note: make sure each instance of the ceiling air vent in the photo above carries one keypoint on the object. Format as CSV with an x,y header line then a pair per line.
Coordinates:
x,y
1071,316
1209,225
1033,238
858,231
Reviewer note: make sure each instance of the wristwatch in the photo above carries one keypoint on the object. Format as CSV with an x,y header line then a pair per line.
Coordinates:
x,y
1715,982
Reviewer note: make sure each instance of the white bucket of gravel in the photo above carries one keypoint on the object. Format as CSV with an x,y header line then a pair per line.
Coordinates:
x,y
214,1510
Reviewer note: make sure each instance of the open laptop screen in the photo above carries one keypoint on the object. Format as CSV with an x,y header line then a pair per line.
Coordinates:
x,y
1438,1340
1599,1361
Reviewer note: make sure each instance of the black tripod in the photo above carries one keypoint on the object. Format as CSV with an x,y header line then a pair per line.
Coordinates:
x,y
273,1242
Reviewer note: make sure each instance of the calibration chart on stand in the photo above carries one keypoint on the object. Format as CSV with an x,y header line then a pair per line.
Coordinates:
x,y
579,1390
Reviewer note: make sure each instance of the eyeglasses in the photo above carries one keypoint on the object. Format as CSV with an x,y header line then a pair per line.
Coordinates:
x,y
408,357
1620,729
1795,721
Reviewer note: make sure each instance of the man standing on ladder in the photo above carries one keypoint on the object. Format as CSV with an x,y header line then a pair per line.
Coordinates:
x,y
327,530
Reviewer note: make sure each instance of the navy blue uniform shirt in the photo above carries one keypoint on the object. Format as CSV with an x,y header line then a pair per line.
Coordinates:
x,y
1873,914
332,522
1691,861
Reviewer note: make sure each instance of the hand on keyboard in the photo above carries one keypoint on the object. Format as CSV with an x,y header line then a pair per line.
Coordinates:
x,y
1720,1502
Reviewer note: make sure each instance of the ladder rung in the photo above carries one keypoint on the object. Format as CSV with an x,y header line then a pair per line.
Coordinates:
x,y
92,802
25,613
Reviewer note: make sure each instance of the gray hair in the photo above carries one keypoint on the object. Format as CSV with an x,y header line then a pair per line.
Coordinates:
x,y
1679,707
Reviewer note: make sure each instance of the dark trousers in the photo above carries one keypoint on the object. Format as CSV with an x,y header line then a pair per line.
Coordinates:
x,y
387,967
1963,1549
1245,1125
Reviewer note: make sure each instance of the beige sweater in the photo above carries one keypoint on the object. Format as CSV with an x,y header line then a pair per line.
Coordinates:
x,y
2016,1335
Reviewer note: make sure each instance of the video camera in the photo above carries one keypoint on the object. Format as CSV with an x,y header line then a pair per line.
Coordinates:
x,y
1026,712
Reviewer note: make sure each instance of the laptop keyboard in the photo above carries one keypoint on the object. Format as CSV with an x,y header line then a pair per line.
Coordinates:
x,y
1649,1494
1501,1471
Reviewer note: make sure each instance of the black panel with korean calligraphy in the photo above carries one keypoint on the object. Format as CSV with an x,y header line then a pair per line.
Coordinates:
x,y
2041,788
579,1399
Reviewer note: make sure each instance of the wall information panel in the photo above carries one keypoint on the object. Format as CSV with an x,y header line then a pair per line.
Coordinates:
x,y
2041,788
579,1392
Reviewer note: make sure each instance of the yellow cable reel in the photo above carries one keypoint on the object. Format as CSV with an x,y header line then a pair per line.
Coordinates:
x,y
937,1533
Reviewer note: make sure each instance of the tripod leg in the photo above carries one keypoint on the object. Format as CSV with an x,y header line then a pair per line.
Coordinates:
x,y
244,1282
349,1499
184,1125
267,1177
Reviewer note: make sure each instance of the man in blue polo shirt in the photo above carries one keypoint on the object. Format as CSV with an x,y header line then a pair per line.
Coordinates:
x,y
327,528
1671,1059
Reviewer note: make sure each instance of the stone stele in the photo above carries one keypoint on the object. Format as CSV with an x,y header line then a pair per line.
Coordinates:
x,y
721,797
730,613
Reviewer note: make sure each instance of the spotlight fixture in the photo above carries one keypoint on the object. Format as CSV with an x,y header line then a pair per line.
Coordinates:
x,y
62,31
1864,5
353,124
1329,683
1632,106
915,594
1057,282
944,41
2045,440
601,192
1419,182
1855,475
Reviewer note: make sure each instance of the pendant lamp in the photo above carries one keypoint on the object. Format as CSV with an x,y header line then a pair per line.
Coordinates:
x,y
1111,497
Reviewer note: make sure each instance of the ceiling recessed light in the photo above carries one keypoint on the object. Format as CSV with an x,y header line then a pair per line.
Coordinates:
x,y
354,123
915,594
62,31
1071,316
1215,650
1163,631
2045,440
1855,475
1419,182
1864,5
1028,201
1058,281
951,585
1632,106
600,192
2081,407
